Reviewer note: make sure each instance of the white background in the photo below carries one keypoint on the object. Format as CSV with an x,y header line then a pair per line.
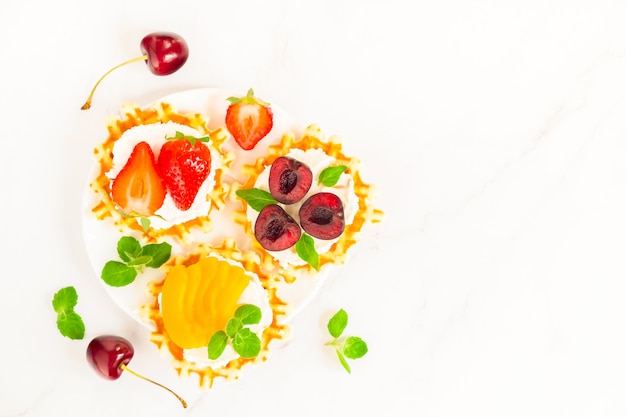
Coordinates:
x,y
494,131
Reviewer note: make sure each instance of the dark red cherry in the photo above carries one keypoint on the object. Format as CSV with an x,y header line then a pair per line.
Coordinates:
x,y
109,355
321,216
164,53
289,180
276,230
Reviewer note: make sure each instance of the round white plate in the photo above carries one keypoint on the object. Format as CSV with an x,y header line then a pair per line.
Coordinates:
x,y
101,237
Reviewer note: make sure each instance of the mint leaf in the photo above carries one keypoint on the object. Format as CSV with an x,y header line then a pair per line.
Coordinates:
x,y
343,361
159,252
217,344
65,298
128,248
248,314
134,259
305,248
338,323
139,261
246,343
118,274
256,198
329,176
233,326
350,347
145,223
71,325
354,347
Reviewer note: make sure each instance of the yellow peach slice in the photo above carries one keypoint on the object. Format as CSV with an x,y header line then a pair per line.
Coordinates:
x,y
197,300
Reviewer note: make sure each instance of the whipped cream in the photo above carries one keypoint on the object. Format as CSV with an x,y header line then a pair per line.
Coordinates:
x,y
155,134
317,160
253,294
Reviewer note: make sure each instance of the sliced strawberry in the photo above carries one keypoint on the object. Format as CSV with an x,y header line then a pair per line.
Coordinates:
x,y
248,119
138,190
184,163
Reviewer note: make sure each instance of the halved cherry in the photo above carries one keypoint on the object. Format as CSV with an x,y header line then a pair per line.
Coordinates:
x,y
321,216
289,180
276,230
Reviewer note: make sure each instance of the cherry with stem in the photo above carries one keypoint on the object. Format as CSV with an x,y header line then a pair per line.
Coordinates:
x,y
163,52
109,355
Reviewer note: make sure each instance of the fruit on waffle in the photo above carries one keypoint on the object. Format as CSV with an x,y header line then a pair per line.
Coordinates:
x,y
212,219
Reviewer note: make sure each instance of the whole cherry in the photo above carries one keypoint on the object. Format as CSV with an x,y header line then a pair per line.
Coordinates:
x,y
109,355
163,52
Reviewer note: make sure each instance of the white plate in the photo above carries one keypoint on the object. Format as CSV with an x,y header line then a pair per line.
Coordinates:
x,y
101,237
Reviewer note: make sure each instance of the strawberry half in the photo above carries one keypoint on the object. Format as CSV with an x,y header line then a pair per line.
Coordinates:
x,y
248,119
184,163
138,189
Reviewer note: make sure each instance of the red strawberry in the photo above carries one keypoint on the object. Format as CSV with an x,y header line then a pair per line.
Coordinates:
x,y
184,163
138,190
248,119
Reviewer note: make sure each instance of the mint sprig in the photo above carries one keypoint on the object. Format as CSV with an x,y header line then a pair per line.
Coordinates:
x,y
305,248
329,176
69,323
133,259
191,139
256,198
347,347
244,341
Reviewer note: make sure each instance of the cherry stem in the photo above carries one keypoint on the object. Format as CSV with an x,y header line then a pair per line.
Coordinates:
x,y
87,104
127,369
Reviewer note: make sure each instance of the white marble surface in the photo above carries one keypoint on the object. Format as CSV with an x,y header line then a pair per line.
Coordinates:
x,y
495,132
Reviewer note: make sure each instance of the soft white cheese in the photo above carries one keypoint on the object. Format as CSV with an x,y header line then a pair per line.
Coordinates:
x,y
155,134
317,161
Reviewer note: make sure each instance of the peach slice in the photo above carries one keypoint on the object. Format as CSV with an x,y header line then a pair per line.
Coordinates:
x,y
197,300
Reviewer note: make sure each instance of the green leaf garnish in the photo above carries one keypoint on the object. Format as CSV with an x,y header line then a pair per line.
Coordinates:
x,y
118,274
329,176
305,248
343,361
191,139
338,323
256,198
233,326
354,347
128,248
248,314
217,344
158,252
145,223
244,341
350,347
69,323
134,258
65,299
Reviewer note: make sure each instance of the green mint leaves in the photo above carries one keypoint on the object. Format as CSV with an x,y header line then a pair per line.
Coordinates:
x,y
347,347
244,341
256,198
305,248
191,139
329,176
69,323
134,258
